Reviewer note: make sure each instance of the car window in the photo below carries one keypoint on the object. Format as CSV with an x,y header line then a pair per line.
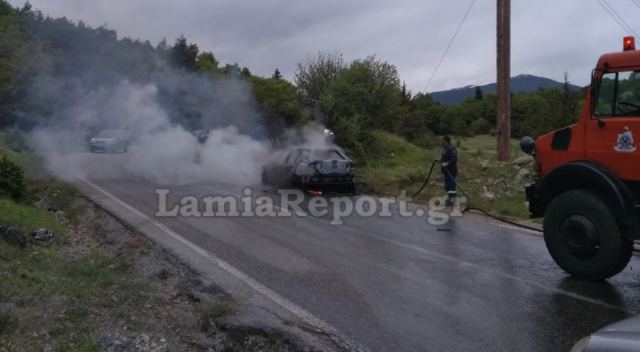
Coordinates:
x,y
319,154
110,134
328,154
618,94
290,157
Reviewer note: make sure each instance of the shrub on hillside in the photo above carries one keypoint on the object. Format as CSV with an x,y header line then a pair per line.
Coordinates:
x,y
480,126
12,183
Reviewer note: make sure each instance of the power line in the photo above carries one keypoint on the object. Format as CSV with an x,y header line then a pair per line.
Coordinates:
x,y
620,17
616,17
624,28
637,2
464,18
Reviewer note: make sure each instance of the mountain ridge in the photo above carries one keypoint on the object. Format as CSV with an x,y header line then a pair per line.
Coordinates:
x,y
524,83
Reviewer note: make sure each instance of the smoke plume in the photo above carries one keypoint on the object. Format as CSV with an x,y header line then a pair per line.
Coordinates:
x,y
94,81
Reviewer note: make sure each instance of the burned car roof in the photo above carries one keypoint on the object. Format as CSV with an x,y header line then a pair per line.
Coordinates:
x,y
320,153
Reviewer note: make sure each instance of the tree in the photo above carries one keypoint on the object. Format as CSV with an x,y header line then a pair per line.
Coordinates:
x,y
6,9
428,111
184,55
276,74
569,103
163,46
235,71
206,62
406,95
366,95
26,8
478,93
313,77
281,104
12,182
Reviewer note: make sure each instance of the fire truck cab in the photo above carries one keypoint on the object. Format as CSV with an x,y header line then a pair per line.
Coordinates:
x,y
587,185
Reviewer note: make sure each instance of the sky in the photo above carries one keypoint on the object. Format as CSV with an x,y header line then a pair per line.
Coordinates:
x,y
549,37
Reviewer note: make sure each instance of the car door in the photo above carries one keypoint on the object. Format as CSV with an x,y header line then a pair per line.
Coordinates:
x,y
289,165
610,136
279,169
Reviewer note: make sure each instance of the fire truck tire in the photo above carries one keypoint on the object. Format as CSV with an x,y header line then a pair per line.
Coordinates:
x,y
583,236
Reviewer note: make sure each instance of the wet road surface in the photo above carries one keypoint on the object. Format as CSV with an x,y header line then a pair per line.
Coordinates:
x,y
400,284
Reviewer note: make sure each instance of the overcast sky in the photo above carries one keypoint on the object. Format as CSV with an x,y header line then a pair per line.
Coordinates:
x,y
548,36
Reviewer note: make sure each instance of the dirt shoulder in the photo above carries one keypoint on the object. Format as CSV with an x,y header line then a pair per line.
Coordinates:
x,y
100,286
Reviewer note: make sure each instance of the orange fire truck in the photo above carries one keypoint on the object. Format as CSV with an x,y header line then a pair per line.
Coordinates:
x,y
588,174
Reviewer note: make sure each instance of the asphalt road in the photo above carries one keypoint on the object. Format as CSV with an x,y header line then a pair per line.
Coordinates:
x,y
395,283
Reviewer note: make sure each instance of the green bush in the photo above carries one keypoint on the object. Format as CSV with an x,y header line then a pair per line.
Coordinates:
x,y
480,126
12,183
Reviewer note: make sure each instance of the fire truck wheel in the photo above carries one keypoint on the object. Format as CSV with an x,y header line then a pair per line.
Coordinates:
x,y
583,236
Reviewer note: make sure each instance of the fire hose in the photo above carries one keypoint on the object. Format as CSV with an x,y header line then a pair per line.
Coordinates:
x,y
468,206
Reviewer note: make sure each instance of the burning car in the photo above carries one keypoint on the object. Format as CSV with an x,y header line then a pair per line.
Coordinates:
x,y
325,169
109,141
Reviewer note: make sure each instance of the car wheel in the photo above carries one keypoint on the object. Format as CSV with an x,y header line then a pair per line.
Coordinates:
x,y
583,236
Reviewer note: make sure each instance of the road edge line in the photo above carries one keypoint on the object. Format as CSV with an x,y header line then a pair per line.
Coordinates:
x,y
306,316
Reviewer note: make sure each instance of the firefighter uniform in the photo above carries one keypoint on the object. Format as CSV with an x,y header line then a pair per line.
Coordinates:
x,y
449,161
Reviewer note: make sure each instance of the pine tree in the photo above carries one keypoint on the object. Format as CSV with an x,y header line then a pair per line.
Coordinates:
x,y
478,94
569,105
277,74
406,95
184,55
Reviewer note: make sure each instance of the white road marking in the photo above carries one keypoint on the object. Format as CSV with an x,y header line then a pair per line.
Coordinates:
x,y
487,270
283,302
515,228
386,239
470,264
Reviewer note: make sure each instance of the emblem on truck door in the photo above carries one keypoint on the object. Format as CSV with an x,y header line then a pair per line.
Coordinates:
x,y
625,142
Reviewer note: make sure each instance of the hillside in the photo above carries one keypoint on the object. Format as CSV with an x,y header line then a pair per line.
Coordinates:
x,y
519,84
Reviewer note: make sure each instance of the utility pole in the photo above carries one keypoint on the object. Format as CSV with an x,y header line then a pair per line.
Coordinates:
x,y
503,118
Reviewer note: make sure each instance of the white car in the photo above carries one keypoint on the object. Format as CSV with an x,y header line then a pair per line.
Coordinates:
x,y
623,336
109,141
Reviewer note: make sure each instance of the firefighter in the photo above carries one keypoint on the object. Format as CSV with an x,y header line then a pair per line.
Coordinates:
x,y
449,163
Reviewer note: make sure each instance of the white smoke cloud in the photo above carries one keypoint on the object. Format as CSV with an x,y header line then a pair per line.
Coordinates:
x,y
174,156
162,152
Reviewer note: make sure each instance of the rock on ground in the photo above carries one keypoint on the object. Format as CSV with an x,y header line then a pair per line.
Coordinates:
x,y
523,161
140,343
43,236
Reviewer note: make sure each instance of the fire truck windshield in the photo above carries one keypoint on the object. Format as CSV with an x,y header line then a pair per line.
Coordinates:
x,y
618,94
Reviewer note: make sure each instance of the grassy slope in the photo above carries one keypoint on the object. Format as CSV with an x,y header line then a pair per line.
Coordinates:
x,y
61,297
24,216
35,274
394,165
27,217
14,147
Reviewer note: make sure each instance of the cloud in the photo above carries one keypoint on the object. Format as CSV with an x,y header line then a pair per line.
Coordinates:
x,y
549,37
